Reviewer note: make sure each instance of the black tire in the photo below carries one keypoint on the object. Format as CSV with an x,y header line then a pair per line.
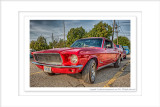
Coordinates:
x,y
122,58
117,63
125,57
49,74
89,71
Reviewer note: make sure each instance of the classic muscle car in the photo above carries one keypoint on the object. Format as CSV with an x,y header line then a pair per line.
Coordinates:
x,y
84,56
31,50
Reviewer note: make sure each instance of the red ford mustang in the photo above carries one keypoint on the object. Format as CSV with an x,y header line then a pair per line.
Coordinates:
x,y
85,55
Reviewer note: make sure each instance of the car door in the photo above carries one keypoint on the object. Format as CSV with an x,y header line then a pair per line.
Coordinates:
x,y
112,52
115,53
109,52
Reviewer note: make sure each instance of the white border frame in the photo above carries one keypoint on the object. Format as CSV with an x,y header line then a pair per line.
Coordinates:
x,y
24,34
150,96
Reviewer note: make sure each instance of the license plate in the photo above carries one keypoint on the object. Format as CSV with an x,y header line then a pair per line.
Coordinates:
x,y
47,69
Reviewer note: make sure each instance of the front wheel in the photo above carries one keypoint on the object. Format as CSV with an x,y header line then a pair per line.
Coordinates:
x,y
117,63
89,72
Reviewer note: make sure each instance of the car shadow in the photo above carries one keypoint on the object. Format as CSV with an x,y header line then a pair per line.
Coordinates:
x,y
77,75
103,75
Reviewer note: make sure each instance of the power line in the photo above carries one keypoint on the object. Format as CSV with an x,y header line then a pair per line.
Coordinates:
x,y
122,31
125,25
124,22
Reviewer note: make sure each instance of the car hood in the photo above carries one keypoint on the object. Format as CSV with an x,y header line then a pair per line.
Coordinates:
x,y
68,50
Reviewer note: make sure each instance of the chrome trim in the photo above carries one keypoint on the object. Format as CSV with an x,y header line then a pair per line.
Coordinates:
x,y
100,62
104,66
58,66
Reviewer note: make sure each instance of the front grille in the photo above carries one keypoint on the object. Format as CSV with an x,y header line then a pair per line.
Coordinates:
x,y
48,58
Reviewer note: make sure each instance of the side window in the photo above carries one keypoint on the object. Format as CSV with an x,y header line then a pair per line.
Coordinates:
x,y
104,44
108,44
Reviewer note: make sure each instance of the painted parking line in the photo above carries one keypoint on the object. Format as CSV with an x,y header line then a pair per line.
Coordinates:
x,y
36,73
111,81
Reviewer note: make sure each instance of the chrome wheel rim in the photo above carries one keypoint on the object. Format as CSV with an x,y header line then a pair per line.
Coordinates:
x,y
93,73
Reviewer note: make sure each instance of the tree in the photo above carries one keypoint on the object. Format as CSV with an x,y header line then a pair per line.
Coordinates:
x,y
100,30
124,41
32,44
53,44
40,44
61,44
75,34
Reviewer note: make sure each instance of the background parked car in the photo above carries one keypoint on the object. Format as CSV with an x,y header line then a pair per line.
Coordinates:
x,y
124,54
31,50
127,49
120,51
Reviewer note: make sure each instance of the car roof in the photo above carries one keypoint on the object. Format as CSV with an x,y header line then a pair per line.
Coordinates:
x,y
93,37
97,38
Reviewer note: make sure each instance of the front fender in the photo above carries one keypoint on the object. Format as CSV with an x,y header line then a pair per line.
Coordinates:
x,y
93,57
84,59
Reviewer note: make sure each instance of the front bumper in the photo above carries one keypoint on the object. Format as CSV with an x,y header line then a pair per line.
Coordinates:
x,y
60,68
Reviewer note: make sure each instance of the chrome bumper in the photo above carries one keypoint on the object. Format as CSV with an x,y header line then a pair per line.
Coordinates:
x,y
58,66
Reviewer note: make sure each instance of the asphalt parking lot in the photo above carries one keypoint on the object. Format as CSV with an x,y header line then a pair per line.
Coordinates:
x,y
106,77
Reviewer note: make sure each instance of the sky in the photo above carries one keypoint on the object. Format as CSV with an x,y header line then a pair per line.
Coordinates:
x,y
47,27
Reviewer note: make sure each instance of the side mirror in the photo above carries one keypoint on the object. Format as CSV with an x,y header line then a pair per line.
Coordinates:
x,y
108,46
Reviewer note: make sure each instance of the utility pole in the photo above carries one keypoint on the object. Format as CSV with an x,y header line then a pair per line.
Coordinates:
x,y
113,30
64,29
52,38
117,32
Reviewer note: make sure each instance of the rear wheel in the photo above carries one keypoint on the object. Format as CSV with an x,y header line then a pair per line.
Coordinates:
x,y
117,63
122,58
89,72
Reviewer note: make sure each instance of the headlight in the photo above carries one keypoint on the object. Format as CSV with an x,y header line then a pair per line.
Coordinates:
x,y
74,59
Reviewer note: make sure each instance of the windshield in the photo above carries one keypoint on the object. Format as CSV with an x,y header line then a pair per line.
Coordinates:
x,y
125,47
87,43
